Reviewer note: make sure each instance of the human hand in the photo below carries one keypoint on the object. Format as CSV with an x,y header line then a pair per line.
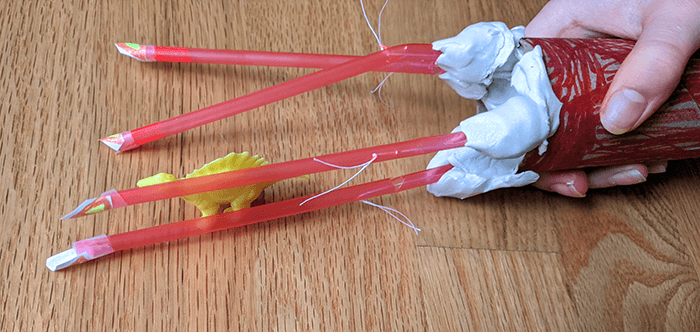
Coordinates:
x,y
667,34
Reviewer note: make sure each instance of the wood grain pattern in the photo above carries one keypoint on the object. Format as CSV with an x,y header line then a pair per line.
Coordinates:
x,y
486,290
510,260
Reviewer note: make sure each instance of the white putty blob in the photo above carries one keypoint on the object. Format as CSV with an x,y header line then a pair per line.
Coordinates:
x,y
518,110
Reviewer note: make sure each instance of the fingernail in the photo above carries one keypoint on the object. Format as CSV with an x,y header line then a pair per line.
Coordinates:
x,y
624,108
627,178
655,169
566,189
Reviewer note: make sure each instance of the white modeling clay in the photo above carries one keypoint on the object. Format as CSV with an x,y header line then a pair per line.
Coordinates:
x,y
473,57
482,62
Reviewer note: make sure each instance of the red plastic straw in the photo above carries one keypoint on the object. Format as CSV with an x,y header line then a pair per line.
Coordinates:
x,y
219,222
253,58
102,245
269,173
417,56
151,53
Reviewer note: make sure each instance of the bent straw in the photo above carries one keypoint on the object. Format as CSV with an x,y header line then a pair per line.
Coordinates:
x,y
103,245
412,55
269,173
151,53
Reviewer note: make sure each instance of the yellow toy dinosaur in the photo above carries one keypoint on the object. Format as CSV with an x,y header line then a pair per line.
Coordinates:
x,y
209,203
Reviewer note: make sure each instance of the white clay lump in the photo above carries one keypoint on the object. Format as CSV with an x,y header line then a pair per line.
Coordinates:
x,y
519,109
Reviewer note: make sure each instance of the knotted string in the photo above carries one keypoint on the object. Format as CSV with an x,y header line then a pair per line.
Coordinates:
x,y
378,34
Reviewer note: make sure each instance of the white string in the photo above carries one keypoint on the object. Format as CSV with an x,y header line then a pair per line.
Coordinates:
x,y
379,87
390,210
378,34
379,25
364,165
374,156
379,90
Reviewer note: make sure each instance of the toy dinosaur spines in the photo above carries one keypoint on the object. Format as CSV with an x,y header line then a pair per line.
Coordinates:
x,y
232,161
210,203
156,179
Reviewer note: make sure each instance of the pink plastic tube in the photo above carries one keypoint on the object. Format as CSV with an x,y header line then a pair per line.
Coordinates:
x,y
420,57
150,53
100,246
269,173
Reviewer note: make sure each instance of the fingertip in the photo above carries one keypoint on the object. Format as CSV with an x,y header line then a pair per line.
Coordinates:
x,y
568,190
617,176
656,168
623,110
567,183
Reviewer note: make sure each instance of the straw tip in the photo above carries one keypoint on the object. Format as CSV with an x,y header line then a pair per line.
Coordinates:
x,y
134,51
119,142
62,260
81,210
110,142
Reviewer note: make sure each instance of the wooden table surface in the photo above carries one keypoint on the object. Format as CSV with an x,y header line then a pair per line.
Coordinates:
x,y
511,260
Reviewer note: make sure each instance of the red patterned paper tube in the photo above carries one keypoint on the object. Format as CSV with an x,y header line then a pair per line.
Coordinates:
x,y
581,71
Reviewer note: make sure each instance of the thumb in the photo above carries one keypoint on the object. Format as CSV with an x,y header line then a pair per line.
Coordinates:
x,y
650,72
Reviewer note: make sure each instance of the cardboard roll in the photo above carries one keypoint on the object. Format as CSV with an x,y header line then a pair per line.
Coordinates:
x,y
581,71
